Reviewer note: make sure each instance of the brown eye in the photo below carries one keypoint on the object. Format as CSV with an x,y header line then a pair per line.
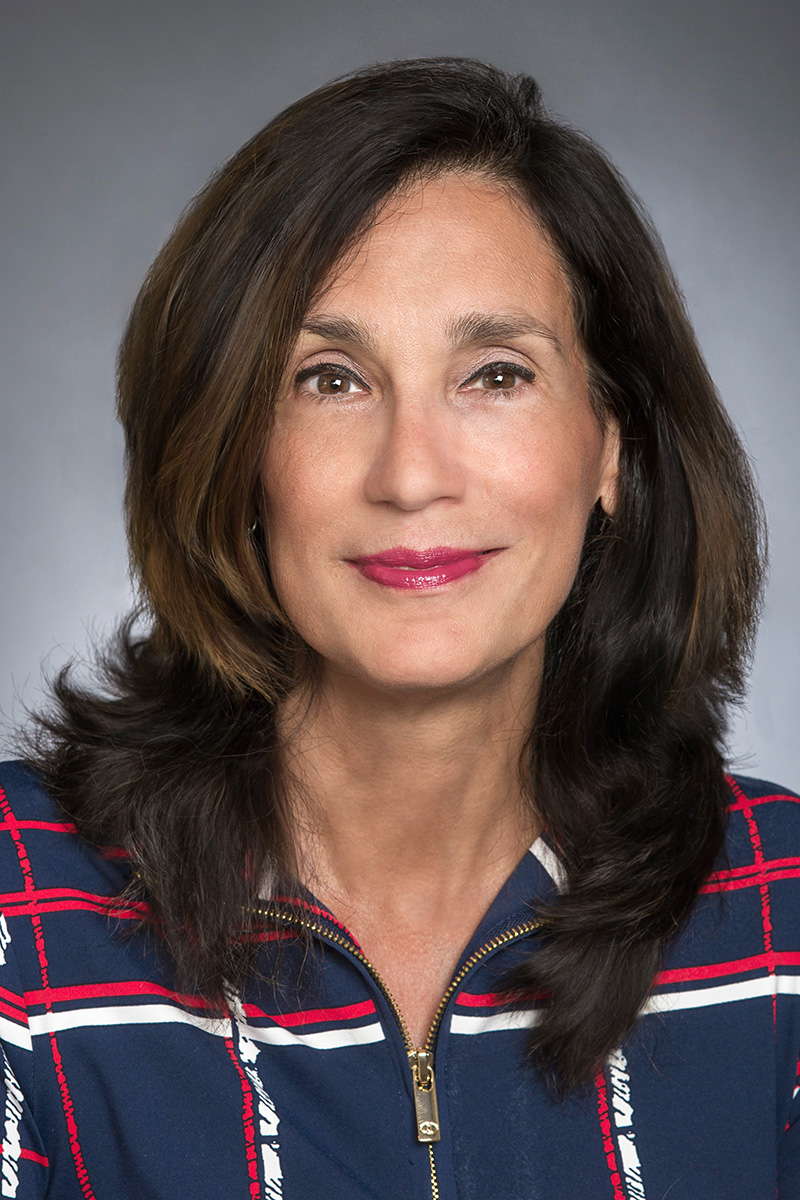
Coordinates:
x,y
330,380
500,377
499,380
330,383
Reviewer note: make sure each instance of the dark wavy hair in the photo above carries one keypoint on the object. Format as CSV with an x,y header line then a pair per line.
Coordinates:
x,y
175,755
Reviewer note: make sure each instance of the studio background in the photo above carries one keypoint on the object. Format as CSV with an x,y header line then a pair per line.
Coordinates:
x,y
114,116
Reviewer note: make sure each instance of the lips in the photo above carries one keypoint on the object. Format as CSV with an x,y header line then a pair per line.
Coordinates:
x,y
421,569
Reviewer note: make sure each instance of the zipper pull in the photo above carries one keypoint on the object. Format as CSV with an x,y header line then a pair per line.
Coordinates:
x,y
425,1096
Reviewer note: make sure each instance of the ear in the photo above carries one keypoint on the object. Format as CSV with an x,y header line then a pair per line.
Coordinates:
x,y
609,473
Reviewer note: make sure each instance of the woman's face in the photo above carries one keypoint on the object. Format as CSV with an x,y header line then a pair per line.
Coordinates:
x,y
435,457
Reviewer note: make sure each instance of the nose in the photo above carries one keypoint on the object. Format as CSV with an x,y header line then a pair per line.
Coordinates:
x,y
417,459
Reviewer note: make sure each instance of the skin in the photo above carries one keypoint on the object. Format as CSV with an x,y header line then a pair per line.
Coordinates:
x,y
440,431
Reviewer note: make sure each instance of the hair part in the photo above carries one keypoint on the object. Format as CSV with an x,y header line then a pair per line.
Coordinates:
x,y
180,761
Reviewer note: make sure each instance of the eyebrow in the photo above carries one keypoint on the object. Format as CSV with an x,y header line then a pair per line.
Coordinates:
x,y
465,330
339,329
497,327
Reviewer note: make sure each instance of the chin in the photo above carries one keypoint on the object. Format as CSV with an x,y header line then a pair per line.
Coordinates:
x,y
427,669
414,680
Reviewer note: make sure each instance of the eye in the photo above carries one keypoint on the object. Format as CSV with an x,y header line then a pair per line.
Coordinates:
x,y
329,379
500,377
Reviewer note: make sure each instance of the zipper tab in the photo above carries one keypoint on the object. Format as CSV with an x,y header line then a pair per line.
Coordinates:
x,y
425,1095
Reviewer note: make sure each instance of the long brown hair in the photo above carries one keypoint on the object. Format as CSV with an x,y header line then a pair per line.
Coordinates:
x,y
176,757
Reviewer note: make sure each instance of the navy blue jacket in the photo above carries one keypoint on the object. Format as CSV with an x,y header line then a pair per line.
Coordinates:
x,y
116,1087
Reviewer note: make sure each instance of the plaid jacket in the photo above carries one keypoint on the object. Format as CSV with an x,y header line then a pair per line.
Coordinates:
x,y
117,1087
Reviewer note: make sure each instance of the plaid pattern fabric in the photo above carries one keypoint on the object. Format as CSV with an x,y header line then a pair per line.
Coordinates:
x,y
115,1085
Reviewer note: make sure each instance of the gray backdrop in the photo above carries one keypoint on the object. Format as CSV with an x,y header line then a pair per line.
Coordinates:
x,y
115,114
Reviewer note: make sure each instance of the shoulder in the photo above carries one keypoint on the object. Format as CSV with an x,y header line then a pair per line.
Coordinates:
x,y
749,906
748,910
743,936
763,825
761,877
59,896
40,848
746,791
22,797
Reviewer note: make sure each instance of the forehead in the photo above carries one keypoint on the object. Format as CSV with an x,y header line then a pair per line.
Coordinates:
x,y
454,243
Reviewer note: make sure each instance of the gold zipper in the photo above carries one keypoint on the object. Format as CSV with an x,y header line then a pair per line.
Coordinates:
x,y
288,918
510,935
420,1058
434,1180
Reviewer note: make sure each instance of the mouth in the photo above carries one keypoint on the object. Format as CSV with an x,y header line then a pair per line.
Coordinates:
x,y
421,569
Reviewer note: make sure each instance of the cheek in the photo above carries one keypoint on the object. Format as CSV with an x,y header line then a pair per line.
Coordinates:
x,y
552,477
284,509
305,483
307,462
295,486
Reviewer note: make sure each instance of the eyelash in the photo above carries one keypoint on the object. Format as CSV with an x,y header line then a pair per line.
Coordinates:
x,y
328,369
496,368
502,368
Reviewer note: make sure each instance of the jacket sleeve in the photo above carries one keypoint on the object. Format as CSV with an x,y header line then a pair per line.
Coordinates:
x,y
25,1170
789,1150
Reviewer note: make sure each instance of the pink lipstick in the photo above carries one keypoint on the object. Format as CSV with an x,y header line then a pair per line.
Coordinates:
x,y
417,569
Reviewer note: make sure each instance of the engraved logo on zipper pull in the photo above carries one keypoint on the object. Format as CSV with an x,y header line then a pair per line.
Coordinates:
x,y
427,1108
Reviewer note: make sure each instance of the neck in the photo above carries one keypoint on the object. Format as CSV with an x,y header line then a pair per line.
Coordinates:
x,y
411,795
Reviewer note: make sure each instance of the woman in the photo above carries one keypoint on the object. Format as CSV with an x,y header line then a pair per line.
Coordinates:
x,y
447,550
